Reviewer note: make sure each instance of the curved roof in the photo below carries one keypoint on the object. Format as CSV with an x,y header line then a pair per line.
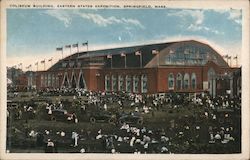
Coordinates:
x,y
174,53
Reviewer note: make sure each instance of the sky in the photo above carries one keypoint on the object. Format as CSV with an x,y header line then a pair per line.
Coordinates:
x,y
34,34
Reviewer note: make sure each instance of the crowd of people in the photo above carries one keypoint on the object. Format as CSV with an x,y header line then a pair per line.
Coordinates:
x,y
195,123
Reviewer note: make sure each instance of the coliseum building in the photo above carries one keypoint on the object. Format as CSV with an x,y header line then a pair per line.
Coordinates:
x,y
183,66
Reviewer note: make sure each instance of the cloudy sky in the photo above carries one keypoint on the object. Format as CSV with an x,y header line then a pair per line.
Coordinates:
x,y
34,35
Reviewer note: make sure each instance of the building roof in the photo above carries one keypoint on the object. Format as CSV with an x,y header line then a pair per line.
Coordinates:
x,y
148,59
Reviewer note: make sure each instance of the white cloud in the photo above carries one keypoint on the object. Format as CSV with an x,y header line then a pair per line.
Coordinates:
x,y
60,15
66,18
105,21
233,15
199,28
197,17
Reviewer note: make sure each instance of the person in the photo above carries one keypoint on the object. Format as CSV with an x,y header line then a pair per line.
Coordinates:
x,y
75,118
50,146
75,139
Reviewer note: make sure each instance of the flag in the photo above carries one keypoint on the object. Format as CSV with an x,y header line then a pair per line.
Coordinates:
x,y
109,56
225,56
59,49
155,51
123,54
50,59
43,61
235,57
138,53
85,44
75,45
67,46
229,57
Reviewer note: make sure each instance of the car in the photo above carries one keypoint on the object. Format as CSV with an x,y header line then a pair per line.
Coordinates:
x,y
101,116
131,118
62,115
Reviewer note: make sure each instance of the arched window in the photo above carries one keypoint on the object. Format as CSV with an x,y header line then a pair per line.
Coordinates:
x,y
193,81
73,81
171,81
57,81
114,83
81,81
53,80
186,81
66,80
49,80
179,81
46,80
128,83
135,84
120,83
42,80
144,85
107,83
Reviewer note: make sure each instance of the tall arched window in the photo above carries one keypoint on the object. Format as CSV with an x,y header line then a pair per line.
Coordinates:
x,y
107,83
179,81
135,84
114,83
186,81
128,84
42,80
53,80
171,81
57,81
144,81
46,80
49,80
193,81
65,80
120,83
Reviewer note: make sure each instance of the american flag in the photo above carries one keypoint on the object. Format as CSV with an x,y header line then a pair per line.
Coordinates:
x,y
138,53
67,46
155,51
85,44
75,45
43,61
225,56
50,59
235,57
171,51
123,54
109,56
59,49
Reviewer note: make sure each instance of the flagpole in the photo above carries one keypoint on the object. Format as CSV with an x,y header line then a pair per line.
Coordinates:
x,y
62,53
141,60
111,62
44,64
230,61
